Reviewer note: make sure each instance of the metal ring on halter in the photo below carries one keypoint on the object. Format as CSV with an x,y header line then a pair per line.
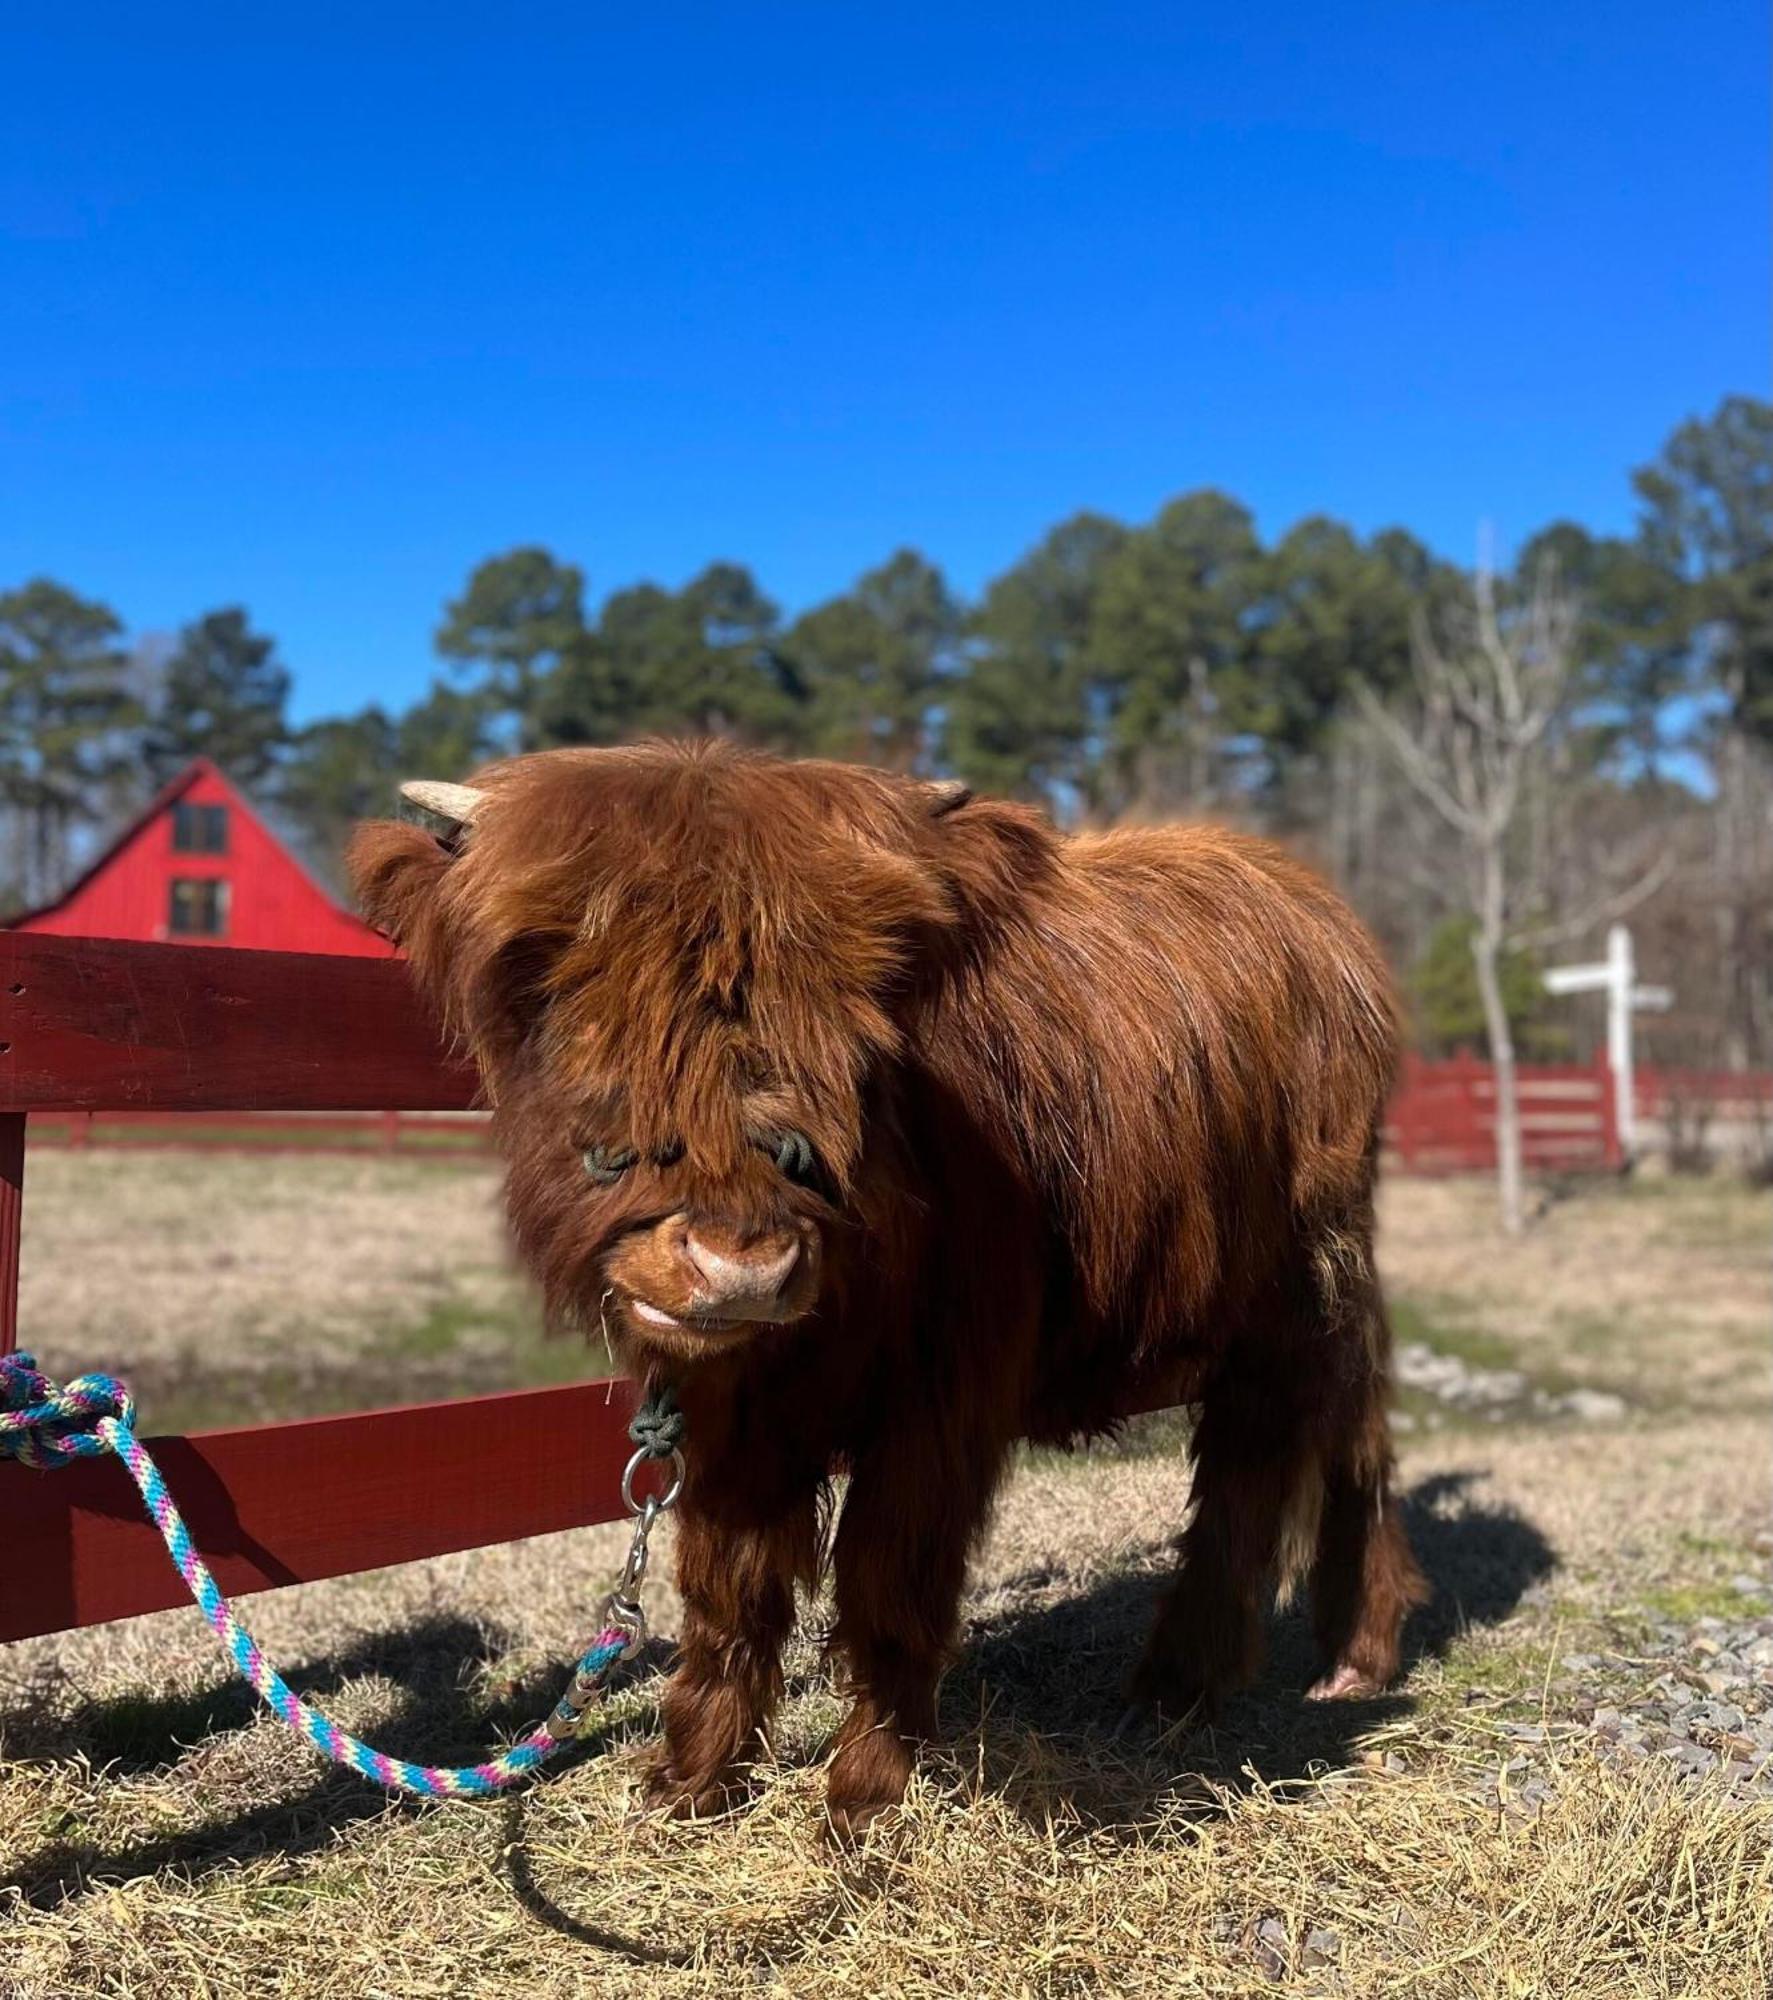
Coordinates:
x,y
668,1499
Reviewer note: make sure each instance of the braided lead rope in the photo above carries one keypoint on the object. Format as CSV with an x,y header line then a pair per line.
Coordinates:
x,y
44,1424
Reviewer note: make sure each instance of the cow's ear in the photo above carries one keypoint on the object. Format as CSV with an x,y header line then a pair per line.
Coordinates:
x,y
990,855
397,869
397,866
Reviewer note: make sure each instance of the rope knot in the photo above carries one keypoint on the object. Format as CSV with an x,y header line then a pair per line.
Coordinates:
x,y
657,1426
46,1424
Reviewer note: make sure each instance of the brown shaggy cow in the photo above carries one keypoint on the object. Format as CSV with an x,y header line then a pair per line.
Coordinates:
x,y
891,1127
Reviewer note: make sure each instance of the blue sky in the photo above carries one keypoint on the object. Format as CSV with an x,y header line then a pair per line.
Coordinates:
x,y
310,309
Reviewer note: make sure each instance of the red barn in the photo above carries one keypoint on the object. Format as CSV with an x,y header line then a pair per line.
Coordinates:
x,y
198,866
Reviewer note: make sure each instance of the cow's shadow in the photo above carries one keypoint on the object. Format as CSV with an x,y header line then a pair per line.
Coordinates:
x,y
1045,1672
1053,1673
1035,1699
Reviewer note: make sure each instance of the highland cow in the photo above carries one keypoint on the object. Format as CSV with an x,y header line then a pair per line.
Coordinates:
x,y
891,1126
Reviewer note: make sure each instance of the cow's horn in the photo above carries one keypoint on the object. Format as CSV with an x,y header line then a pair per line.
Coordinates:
x,y
456,803
946,794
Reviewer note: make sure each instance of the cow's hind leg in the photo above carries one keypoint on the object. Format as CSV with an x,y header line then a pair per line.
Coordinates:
x,y
1254,1470
1364,1580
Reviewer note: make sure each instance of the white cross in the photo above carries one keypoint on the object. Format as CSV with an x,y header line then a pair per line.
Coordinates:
x,y
1616,976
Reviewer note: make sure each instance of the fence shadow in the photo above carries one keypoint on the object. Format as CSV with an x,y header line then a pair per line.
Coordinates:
x,y
444,1714
1051,1675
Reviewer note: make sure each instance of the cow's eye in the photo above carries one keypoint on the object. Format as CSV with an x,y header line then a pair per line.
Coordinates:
x,y
794,1156
606,1164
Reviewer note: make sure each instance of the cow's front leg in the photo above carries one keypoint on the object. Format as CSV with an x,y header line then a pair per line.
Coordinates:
x,y
737,1583
908,1524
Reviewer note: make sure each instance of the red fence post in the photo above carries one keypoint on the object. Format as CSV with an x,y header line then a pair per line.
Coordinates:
x,y
12,1160
1476,1139
1612,1149
12,1204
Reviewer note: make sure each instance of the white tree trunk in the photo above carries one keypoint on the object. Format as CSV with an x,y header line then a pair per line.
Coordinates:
x,y
1727,835
1486,951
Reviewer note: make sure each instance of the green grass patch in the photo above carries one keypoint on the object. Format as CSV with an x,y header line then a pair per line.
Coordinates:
x,y
1598,1334
459,1347
139,1726
1473,1669
1723,1549
223,1398
1688,1601
455,1333
1717,1211
1436,1323
1683,1603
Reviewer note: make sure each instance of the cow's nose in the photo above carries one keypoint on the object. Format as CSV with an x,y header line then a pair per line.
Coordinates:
x,y
729,1274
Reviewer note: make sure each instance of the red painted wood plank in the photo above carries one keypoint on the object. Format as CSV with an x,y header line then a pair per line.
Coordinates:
x,y
91,1024
251,1149
371,1124
288,1503
12,1206
459,1135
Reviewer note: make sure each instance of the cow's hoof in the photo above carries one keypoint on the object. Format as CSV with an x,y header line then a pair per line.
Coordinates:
x,y
867,1777
1169,1694
847,1820
1342,1683
1135,1720
668,1794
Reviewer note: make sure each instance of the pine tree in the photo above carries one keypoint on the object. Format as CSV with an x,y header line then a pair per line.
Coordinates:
x,y
65,714
223,696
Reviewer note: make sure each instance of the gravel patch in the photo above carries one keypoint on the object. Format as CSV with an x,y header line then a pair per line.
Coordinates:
x,y
1494,1394
1693,1697
1700,1697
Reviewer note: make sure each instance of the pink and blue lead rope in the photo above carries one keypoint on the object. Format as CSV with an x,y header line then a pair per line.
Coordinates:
x,y
45,1425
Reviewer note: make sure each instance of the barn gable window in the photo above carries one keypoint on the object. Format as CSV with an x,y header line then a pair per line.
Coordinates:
x,y
199,829
198,909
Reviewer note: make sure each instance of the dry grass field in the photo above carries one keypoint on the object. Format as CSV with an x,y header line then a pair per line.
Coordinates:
x,y
1561,1798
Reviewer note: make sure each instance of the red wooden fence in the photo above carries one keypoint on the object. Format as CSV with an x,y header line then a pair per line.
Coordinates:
x,y
87,1025
1442,1119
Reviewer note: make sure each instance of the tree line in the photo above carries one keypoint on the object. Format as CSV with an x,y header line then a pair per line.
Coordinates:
x,y
1182,665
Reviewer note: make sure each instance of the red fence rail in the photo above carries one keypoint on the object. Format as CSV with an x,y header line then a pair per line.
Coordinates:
x,y
91,1026
1441,1120
434,1134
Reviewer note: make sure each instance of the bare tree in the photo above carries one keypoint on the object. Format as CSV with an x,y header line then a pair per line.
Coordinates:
x,y
1491,685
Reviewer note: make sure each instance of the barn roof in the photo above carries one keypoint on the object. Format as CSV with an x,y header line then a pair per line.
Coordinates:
x,y
169,794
